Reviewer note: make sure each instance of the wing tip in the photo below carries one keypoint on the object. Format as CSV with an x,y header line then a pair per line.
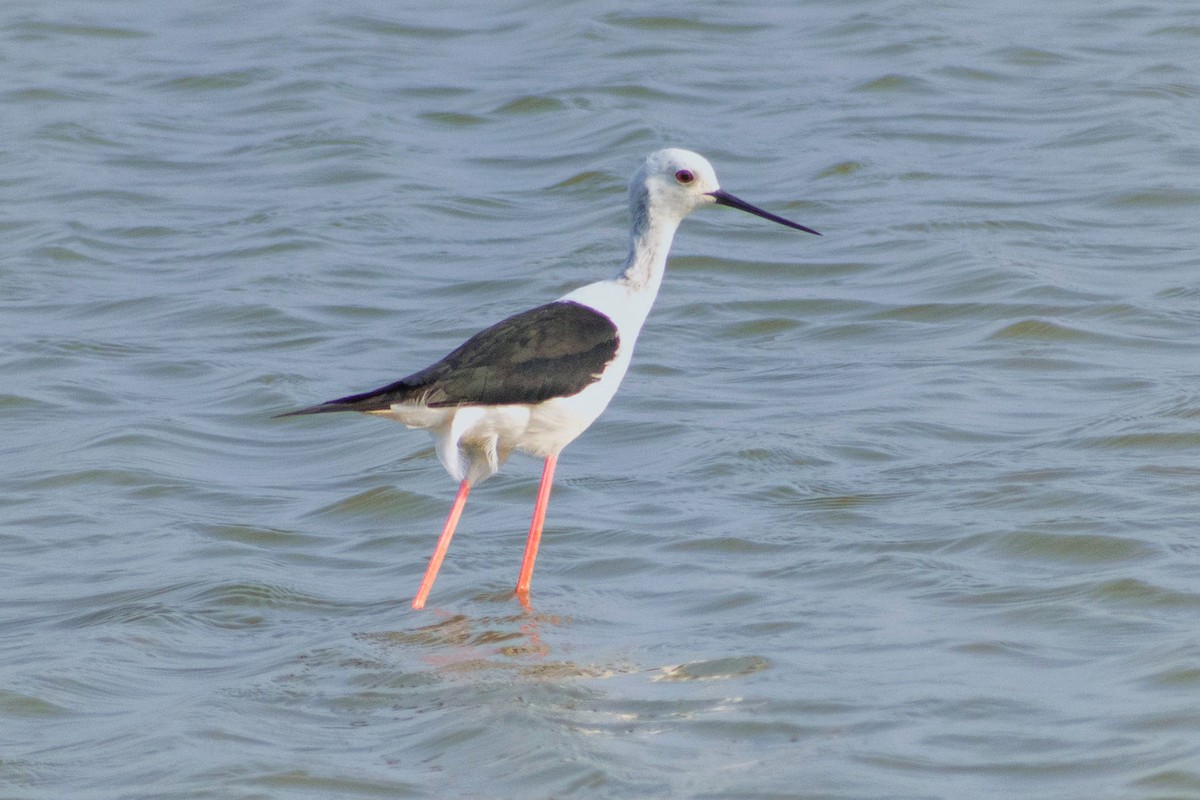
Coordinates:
x,y
321,408
368,402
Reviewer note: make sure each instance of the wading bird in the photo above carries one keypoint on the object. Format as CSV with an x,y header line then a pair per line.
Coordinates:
x,y
535,381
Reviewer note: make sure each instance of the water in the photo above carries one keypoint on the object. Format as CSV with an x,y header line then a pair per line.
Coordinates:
x,y
906,511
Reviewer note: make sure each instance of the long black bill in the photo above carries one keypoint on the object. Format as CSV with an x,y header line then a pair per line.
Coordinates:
x,y
724,198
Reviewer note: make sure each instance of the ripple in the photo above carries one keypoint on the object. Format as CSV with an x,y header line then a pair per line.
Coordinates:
x,y
1040,330
1075,548
218,81
715,669
17,705
1164,197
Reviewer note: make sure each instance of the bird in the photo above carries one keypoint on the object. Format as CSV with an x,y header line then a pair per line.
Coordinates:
x,y
535,381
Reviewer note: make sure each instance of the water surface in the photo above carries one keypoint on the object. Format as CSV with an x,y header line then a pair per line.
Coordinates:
x,y
906,511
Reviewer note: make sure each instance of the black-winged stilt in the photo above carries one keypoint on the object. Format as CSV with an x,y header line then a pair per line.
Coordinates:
x,y
535,381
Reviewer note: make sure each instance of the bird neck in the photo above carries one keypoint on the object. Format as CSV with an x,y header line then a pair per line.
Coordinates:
x,y
649,242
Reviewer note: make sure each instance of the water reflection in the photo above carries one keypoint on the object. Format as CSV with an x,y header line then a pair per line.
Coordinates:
x,y
462,643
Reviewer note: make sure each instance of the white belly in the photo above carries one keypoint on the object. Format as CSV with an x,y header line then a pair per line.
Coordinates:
x,y
473,441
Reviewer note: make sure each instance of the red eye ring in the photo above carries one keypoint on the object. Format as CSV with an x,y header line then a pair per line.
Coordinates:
x,y
685,176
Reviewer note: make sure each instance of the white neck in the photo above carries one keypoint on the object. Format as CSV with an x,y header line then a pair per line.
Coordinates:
x,y
649,242
627,298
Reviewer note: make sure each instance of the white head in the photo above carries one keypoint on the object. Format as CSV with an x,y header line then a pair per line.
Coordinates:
x,y
673,183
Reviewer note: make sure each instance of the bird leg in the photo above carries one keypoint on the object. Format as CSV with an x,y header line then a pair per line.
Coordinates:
x,y
443,544
535,528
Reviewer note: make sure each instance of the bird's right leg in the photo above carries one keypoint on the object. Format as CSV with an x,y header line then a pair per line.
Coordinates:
x,y
535,528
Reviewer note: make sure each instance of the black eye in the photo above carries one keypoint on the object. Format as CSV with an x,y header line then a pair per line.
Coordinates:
x,y
685,176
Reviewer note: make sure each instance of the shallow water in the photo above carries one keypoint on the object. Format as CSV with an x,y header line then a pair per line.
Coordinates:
x,y
906,511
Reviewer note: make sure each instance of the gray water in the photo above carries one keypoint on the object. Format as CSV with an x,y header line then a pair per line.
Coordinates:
x,y
906,511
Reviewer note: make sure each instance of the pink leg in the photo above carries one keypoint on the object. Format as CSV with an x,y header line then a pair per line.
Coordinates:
x,y
535,528
443,544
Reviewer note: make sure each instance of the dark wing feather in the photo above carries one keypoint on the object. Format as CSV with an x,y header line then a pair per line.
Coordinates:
x,y
555,350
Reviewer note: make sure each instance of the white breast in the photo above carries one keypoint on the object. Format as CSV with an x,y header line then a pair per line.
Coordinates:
x,y
473,441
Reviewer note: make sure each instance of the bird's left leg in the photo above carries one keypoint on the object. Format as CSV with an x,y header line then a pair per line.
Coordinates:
x,y
443,544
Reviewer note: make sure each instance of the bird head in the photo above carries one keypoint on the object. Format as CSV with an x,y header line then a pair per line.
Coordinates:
x,y
676,182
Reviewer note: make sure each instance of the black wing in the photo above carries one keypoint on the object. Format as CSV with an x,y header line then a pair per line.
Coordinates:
x,y
555,350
